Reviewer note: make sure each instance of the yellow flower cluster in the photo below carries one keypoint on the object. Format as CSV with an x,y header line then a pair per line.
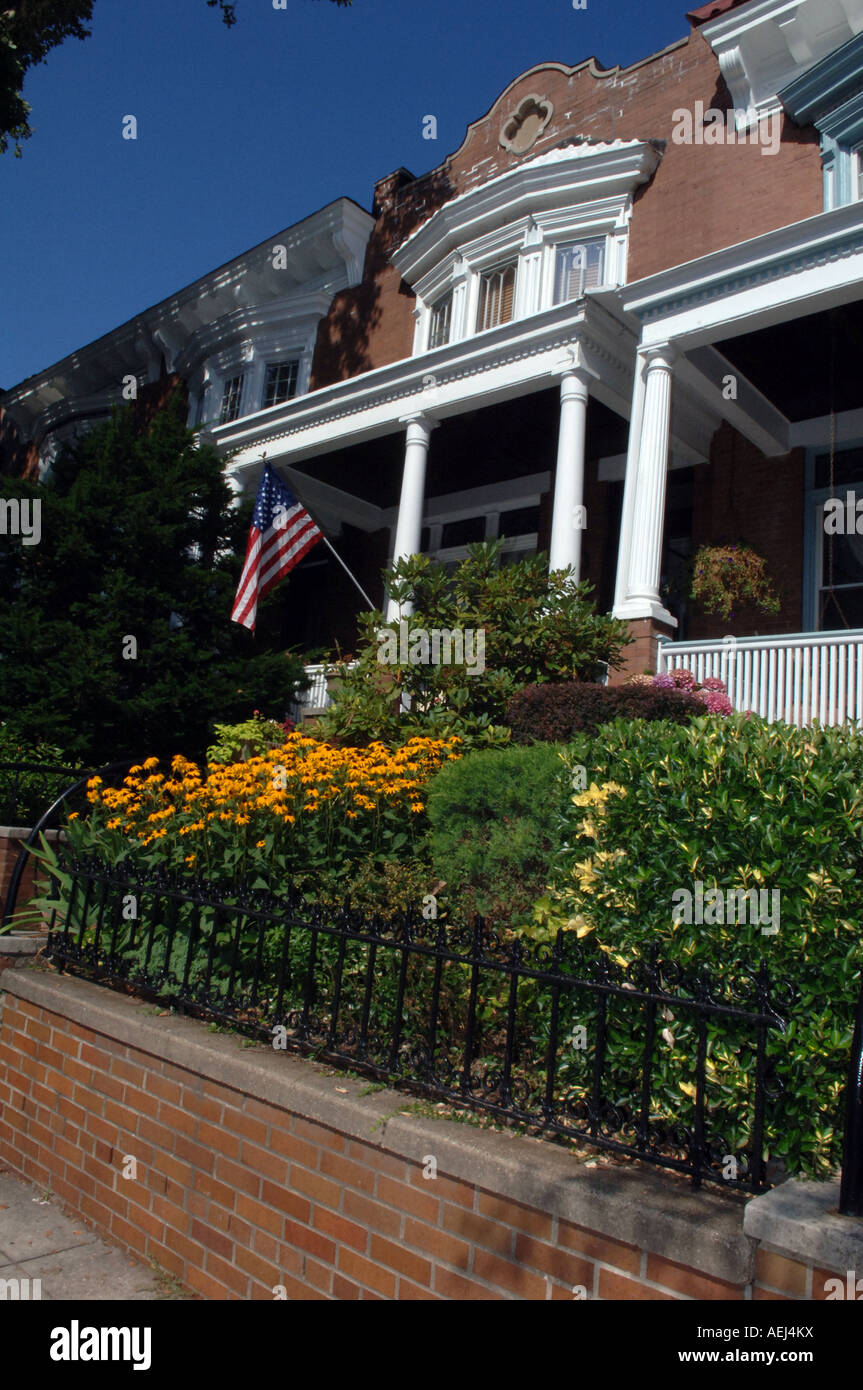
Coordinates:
x,y
301,778
595,799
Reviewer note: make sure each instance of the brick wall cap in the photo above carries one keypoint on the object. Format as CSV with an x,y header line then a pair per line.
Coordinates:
x,y
799,1219
20,832
21,943
632,1204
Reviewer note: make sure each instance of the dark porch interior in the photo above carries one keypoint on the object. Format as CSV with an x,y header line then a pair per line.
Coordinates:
x,y
471,450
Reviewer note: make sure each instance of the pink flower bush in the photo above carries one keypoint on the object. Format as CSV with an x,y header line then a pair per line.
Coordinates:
x,y
682,679
715,702
712,692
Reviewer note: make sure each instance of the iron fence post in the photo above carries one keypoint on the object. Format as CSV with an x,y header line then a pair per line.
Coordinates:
x,y
851,1188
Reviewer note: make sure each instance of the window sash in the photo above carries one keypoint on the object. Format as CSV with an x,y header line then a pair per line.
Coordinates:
x,y
496,297
231,399
281,382
578,267
440,323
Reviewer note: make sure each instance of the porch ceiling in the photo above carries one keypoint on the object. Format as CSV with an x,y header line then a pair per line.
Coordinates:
x,y
473,450
806,367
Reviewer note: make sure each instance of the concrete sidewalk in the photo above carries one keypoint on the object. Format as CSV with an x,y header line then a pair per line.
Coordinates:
x,y
37,1241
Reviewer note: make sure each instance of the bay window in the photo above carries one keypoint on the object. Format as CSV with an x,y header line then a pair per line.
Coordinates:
x,y
231,396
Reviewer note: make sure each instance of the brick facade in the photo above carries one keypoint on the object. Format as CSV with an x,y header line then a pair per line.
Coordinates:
x,y
259,1171
702,198
742,497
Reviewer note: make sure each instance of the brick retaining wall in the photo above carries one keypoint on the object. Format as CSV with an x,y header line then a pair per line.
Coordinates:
x,y
258,1170
11,838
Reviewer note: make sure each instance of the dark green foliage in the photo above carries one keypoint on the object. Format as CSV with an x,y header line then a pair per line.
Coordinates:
x,y
556,712
137,537
494,818
25,795
736,804
535,627
28,32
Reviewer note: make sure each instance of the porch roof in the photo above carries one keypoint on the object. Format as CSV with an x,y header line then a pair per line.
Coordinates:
x,y
784,274
511,360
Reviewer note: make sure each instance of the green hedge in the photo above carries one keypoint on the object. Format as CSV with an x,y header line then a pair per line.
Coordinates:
x,y
494,819
733,804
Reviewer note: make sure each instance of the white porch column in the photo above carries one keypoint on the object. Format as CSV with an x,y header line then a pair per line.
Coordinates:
x,y
636,418
568,520
648,509
410,518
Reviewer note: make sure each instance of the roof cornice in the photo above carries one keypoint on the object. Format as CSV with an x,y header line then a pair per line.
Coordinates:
x,y
323,253
765,45
569,175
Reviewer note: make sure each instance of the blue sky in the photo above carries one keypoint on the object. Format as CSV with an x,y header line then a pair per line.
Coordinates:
x,y
243,131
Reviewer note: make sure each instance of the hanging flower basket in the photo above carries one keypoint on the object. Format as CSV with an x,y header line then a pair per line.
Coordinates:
x,y
727,577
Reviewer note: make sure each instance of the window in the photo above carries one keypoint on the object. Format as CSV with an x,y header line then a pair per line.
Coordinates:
x,y
496,297
521,521
446,542
839,551
281,382
201,408
578,267
440,322
231,399
464,532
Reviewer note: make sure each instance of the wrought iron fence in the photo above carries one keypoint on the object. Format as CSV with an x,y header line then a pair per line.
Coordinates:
x,y
556,1037
39,796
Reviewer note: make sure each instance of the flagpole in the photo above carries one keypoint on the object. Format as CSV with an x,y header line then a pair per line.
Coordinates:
x,y
351,577
333,550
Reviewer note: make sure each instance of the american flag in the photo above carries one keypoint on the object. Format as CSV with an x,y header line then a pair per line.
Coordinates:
x,y
282,531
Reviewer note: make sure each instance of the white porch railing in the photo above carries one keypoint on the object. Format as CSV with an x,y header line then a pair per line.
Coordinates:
x,y
315,697
808,676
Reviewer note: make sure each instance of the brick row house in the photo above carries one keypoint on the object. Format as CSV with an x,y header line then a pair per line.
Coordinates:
x,y
620,322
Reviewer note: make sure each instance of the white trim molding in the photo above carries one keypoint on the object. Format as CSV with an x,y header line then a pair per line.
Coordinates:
x,y
576,192
799,269
501,364
763,46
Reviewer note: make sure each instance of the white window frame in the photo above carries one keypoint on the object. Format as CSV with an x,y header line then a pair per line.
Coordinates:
x,y
446,300
227,384
484,277
491,501
584,245
275,363
532,243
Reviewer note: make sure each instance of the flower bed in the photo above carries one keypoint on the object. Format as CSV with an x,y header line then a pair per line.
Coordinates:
x,y
302,808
